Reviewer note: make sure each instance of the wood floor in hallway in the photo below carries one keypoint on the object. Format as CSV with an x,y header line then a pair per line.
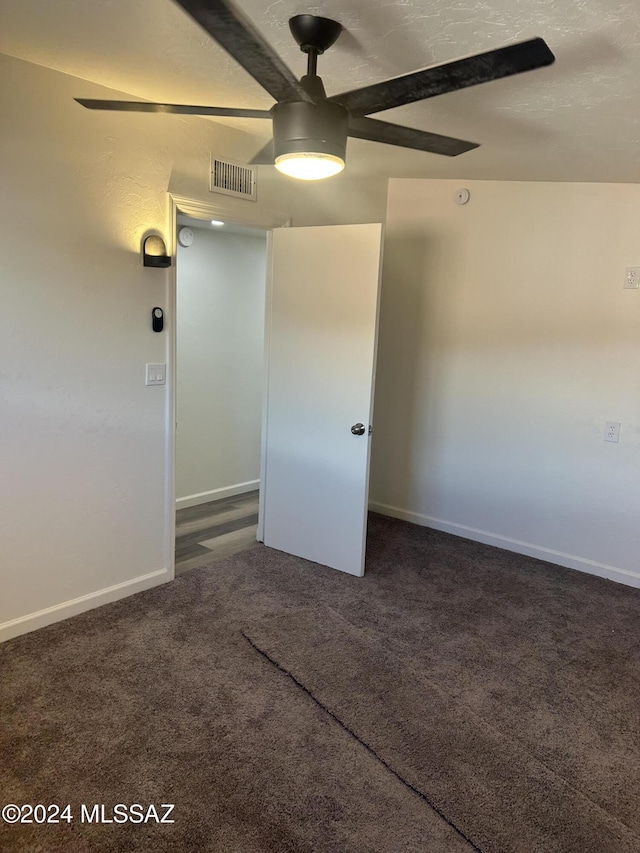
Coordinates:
x,y
214,530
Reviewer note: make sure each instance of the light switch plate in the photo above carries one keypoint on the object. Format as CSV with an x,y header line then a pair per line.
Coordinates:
x,y
156,374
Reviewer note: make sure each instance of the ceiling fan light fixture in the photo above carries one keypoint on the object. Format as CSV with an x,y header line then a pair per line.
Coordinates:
x,y
309,139
309,165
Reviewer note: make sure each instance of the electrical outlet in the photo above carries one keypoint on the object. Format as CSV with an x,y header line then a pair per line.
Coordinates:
x,y
612,431
632,278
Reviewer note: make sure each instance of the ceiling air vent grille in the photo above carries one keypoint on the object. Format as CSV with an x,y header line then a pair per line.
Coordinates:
x,y
233,179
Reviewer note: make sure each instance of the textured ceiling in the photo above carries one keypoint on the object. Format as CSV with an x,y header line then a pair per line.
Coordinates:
x,y
578,120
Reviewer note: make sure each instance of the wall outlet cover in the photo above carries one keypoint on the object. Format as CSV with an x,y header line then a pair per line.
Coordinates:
x,y
612,431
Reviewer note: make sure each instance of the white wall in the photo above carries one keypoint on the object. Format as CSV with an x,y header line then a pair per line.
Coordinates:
x,y
83,442
506,343
220,361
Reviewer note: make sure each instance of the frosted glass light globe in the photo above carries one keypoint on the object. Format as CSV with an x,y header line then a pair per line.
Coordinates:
x,y
309,166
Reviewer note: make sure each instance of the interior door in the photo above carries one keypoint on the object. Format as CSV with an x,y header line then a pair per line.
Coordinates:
x,y
321,354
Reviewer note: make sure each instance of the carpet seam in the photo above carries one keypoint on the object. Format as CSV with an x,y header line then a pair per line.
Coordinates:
x,y
362,742
521,744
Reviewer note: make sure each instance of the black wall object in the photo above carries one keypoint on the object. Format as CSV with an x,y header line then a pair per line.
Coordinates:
x,y
154,252
157,319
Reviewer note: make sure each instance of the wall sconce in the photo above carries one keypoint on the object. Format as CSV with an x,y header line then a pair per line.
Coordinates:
x,y
154,252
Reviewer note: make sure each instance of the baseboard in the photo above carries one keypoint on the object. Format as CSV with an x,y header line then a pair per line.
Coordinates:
x,y
217,494
569,561
32,621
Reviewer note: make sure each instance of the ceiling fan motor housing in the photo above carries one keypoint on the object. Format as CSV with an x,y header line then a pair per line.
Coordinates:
x,y
301,126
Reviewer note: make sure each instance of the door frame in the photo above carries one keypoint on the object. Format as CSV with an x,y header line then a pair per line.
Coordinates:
x,y
261,218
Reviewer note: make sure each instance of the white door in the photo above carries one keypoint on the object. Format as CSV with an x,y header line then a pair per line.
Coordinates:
x,y
322,335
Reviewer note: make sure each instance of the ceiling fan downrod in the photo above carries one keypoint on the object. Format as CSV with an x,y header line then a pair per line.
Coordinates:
x,y
314,35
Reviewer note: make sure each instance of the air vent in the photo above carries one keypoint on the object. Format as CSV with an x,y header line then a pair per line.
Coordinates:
x,y
233,179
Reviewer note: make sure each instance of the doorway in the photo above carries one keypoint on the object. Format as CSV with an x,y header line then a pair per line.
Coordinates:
x,y
321,299
220,316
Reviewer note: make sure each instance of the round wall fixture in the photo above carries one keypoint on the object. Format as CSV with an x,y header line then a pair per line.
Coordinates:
x,y
185,237
462,196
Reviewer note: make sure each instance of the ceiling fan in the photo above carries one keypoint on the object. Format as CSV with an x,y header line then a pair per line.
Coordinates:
x,y
310,130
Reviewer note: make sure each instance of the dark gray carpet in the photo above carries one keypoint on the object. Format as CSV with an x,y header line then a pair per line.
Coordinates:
x,y
499,797
160,699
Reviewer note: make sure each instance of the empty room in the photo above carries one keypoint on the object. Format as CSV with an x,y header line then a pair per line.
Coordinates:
x,y
319,427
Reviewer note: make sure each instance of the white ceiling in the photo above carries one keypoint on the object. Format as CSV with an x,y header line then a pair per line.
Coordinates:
x,y
578,120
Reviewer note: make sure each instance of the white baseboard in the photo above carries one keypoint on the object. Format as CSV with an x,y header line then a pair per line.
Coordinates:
x,y
32,621
217,494
569,561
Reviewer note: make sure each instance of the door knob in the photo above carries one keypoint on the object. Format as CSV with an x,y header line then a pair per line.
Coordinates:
x,y
358,429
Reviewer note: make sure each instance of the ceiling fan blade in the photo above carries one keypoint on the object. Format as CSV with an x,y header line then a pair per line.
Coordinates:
x,y
407,137
448,77
181,109
264,157
229,27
